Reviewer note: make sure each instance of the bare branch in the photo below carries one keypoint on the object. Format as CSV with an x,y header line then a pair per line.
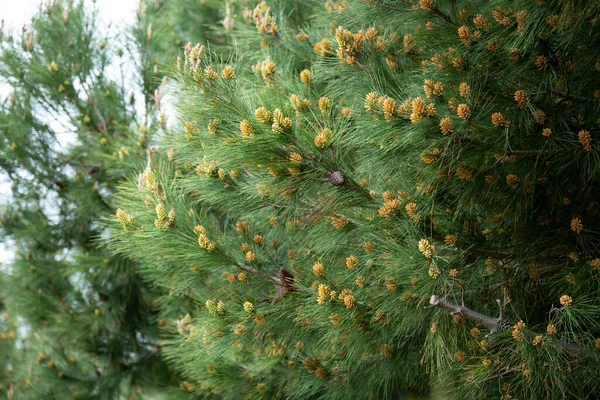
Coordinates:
x,y
481,319
493,324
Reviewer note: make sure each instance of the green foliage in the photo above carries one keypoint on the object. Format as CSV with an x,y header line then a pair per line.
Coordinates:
x,y
339,199
437,156
77,321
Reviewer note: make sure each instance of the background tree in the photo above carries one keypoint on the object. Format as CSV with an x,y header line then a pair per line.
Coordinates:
x,y
77,321
380,196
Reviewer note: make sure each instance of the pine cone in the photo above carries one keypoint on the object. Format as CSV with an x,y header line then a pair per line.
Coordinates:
x,y
337,178
503,325
287,280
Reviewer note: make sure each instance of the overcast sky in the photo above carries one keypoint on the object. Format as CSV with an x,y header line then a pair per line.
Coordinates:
x,y
15,14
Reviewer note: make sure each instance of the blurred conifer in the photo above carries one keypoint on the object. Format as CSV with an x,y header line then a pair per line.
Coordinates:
x,y
83,109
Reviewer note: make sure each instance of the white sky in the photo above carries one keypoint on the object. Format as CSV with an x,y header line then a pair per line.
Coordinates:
x,y
15,14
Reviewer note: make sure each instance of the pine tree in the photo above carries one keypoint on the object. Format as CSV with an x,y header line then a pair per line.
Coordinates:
x,y
380,197
7,335
78,322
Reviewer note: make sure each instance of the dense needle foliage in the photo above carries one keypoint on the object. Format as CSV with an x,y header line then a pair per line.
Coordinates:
x,y
349,203
341,199
78,322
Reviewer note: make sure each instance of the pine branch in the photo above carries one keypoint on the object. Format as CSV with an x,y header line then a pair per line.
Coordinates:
x,y
537,152
102,201
493,324
481,319
487,253
377,3
435,10
443,16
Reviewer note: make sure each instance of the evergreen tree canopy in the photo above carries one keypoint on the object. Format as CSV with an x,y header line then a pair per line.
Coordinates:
x,y
77,321
374,197
323,199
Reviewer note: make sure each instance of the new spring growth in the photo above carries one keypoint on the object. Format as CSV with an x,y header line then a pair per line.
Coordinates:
x,y
164,221
127,221
208,169
266,69
305,77
339,221
323,48
323,138
264,21
281,123
246,129
53,67
262,115
228,73
324,104
390,206
193,57
350,45
426,247
183,324
203,240
417,108
248,307
147,179
299,103
215,308
324,294
318,269
213,126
